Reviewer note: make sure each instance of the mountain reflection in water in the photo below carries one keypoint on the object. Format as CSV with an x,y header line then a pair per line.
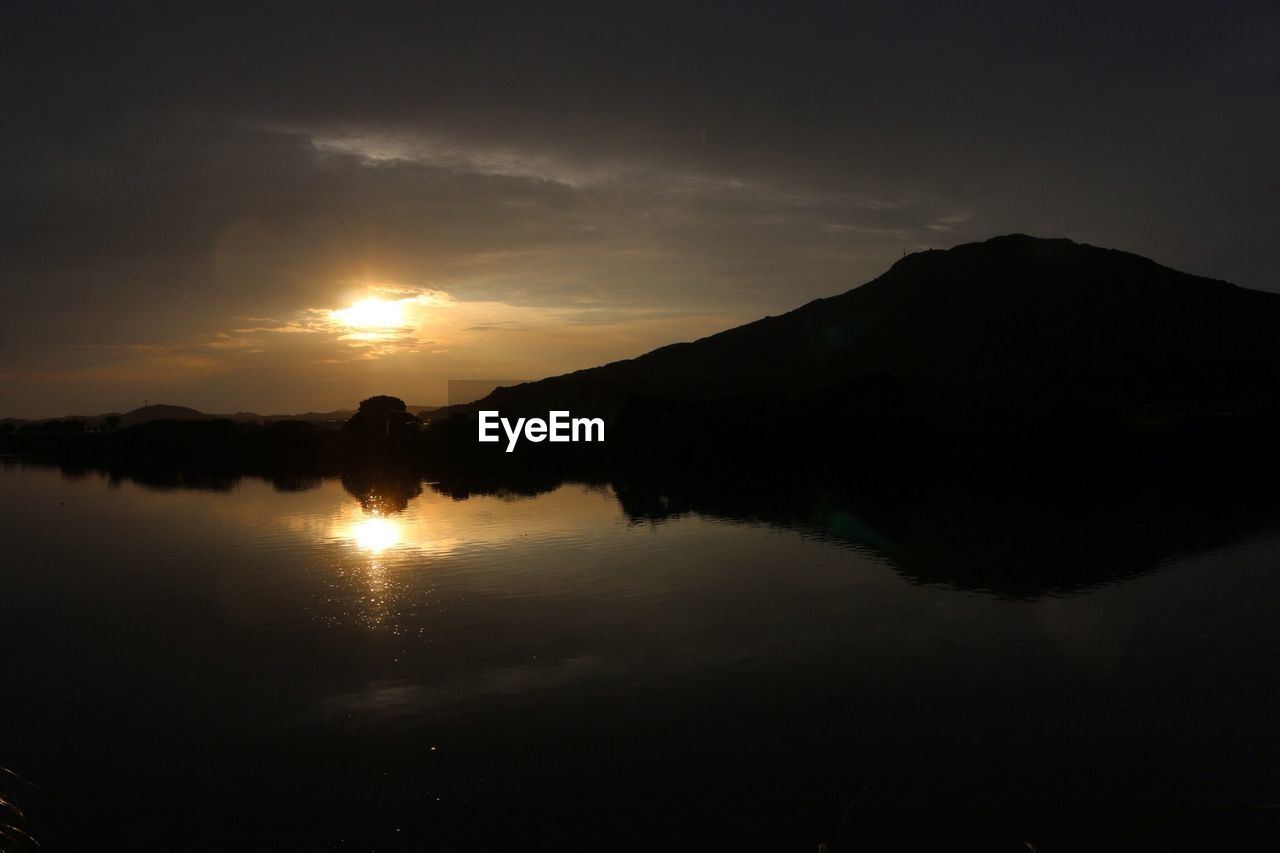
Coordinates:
x,y
383,663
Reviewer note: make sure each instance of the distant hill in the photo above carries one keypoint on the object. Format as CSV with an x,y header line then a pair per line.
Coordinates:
x,y
1012,330
335,415
160,412
167,412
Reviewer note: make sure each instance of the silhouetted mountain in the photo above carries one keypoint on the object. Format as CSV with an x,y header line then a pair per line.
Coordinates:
x,y
160,412
165,412
988,355
1012,331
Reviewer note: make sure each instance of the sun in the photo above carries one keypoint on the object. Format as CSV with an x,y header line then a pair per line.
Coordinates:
x,y
371,314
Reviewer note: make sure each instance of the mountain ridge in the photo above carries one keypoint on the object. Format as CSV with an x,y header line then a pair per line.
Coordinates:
x,y
973,332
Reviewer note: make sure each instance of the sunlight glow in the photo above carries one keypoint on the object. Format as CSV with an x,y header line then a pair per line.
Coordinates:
x,y
376,535
371,314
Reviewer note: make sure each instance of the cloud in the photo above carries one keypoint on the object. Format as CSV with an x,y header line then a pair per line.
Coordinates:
x,y
374,149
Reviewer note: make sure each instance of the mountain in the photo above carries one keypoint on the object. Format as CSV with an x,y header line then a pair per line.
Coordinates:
x,y
160,412
167,412
1012,331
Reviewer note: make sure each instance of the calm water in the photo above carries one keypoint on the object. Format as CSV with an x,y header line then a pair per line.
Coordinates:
x,y
255,669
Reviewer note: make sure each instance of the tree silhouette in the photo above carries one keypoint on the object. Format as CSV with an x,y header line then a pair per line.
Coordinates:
x,y
382,417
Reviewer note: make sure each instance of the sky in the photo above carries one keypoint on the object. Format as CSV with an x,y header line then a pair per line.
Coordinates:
x,y
283,208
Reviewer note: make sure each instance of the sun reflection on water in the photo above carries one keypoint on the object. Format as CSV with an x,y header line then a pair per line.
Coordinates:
x,y
375,535
387,543
377,589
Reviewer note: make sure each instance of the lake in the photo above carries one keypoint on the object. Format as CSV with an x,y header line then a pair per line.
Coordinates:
x,y
360,666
